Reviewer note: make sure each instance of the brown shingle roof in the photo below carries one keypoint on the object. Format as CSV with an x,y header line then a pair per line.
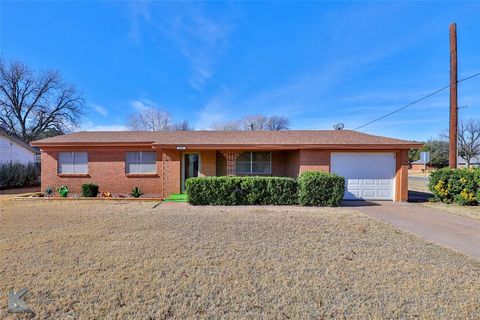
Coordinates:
x,y
224,139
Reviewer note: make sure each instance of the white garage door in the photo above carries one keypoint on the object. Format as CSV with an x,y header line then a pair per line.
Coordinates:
x,y
367,175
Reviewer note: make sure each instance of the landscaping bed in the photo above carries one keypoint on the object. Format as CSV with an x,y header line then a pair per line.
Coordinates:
x,y
27,197
135,260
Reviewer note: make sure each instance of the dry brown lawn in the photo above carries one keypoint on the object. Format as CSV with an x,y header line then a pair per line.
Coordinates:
x,y
119,260
418,185
472,212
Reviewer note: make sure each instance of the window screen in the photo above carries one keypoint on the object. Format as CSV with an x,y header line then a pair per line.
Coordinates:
x,y
140,162
254,163
72,162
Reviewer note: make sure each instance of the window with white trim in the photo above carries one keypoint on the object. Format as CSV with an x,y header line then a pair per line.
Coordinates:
x,y
140,162
72,162
254,163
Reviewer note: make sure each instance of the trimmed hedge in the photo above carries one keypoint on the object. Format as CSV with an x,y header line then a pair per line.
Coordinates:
x,y
311,189
320,189
89,190
460,186
228,191
16,175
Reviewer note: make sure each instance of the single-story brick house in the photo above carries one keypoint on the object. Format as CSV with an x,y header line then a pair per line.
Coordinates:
x,y
159,162
420,166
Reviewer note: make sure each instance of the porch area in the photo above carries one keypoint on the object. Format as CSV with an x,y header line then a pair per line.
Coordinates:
x,y
238,163
276,163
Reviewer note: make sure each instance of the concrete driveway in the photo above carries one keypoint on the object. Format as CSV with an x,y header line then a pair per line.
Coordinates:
x,y
456,232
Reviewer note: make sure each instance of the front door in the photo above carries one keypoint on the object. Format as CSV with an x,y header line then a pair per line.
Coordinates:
x,y
190,167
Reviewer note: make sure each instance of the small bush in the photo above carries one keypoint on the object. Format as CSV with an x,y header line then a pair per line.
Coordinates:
x,y
17,175
320,189
49,191
460,186
106,194
63,191
89,190
241,191
136,193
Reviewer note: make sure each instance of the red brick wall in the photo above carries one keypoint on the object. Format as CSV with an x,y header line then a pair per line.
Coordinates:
x,y
172,167
106,167
401,177
314,160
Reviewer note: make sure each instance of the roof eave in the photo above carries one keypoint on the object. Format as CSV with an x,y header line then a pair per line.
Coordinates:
x,y
333,146
90,144
288,146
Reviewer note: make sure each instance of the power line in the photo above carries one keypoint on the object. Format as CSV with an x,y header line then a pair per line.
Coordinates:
x,y
416,101
470,77
404,107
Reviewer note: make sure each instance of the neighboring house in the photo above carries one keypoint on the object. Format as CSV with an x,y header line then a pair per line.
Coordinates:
x,y
159,162
474,162
420,166
14,149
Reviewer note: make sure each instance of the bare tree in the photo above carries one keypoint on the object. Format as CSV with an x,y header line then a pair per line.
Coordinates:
x,y
181,126
469,140
254,123
276,123
154,119
149,119
37,105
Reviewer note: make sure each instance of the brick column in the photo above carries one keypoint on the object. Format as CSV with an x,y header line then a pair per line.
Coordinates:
x,y
166,174
231,157
401,178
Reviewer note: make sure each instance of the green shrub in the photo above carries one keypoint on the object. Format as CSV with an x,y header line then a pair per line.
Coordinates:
x,y
136,193
320,189
270,190
16,175
241,191
63,191
460,186
49,191
89,190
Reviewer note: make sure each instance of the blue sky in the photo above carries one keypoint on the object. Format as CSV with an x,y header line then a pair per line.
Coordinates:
x,y
317,63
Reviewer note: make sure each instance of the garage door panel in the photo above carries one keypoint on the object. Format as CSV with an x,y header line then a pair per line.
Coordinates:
x,y
367,175
385,193
385,182
354,182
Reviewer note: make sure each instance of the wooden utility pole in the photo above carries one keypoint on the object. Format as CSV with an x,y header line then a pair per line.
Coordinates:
x,y
453,132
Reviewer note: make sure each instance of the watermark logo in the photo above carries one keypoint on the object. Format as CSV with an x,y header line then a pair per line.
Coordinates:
x,y
15,302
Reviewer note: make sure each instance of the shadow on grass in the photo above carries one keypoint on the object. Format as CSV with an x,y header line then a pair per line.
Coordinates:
x,y
413,196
